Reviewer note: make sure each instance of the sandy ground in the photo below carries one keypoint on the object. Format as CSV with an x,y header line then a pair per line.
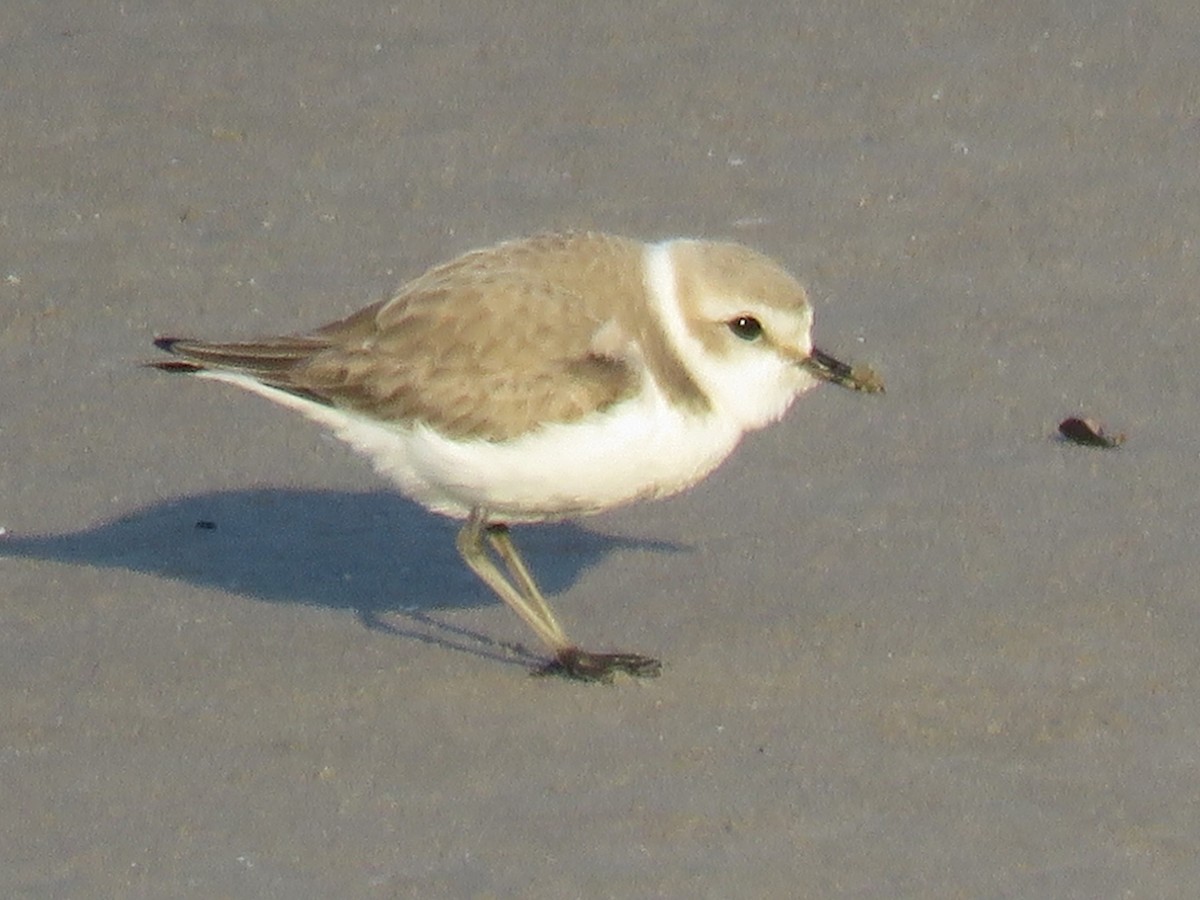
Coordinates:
x,y
915,645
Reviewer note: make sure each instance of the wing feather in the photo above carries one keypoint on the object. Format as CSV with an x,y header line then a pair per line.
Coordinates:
x,y
490,345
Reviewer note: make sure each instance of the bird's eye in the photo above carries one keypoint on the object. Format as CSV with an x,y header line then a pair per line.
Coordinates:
x,y
747,328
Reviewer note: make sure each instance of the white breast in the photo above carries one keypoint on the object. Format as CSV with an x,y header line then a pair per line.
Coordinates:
x,y
641,448
638,449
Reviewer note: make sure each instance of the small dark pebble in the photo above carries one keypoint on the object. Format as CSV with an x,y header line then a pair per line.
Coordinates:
x,y
1089,433
206,525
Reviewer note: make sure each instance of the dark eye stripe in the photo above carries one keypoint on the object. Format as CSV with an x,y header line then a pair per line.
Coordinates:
x,y
747,328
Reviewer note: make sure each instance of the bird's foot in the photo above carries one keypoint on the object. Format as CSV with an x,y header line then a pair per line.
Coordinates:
x,y
585,666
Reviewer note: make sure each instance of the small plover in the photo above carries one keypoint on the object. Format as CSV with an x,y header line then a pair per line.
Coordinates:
x,y
546,378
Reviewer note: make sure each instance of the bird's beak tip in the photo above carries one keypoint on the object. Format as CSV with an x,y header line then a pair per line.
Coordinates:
x,y
829,368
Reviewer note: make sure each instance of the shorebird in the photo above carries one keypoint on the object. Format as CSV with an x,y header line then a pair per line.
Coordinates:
x,y
546,378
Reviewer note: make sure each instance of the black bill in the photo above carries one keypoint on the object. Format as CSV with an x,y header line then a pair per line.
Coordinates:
x,y
829,368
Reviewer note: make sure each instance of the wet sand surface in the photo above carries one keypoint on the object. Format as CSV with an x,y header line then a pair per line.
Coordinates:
x,y
916,645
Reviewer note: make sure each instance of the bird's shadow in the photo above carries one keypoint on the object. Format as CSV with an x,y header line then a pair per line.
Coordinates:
x,y
375,553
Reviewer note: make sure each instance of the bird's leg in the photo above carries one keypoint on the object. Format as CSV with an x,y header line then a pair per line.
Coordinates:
x,y
533,613
523,597
501,540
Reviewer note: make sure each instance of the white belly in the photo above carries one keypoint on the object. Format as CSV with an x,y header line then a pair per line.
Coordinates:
x,y
641,448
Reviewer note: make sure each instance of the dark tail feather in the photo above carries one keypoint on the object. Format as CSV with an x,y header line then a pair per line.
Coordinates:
x,y
263,357
173,365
